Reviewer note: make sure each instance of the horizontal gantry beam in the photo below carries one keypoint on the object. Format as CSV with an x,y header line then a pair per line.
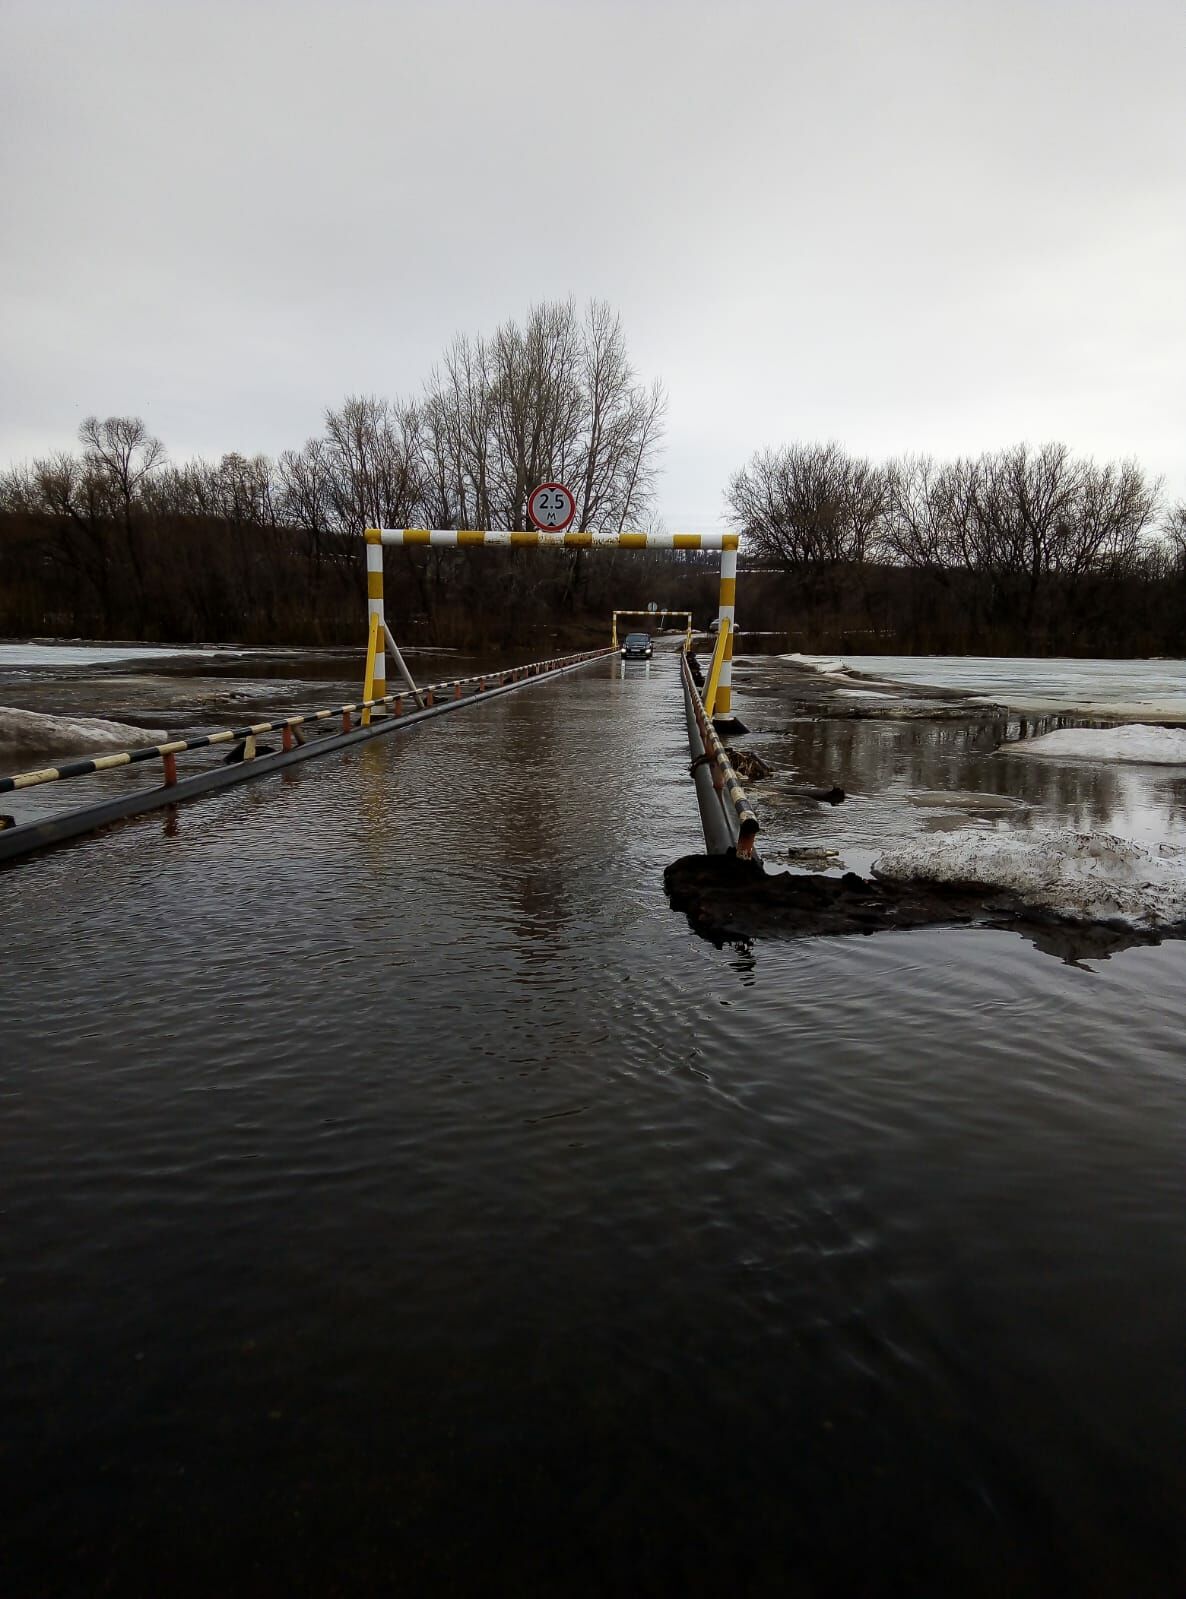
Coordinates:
x,y
470,537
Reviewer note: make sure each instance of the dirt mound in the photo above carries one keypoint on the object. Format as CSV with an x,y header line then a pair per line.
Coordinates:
x,y
727,900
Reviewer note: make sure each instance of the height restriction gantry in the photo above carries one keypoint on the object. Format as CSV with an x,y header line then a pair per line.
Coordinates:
x,y
472,538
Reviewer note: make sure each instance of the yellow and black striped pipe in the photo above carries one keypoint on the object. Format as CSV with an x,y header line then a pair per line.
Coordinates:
x,y
491,538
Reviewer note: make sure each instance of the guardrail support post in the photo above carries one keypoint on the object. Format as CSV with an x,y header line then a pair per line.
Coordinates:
x,y
369,691
169,762
712,688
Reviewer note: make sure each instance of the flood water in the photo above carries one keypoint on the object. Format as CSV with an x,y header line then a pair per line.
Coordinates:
x,y
397,1196
897,773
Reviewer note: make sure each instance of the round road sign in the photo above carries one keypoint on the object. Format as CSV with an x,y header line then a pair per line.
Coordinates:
x,y
551,507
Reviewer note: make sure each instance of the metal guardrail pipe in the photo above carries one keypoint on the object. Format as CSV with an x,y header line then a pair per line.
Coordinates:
x,y
232,735
728,818
719,839
398,658
25,837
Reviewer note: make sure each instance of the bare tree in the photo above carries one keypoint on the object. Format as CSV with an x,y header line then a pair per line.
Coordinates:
x,y
1174,531
622,425
554,400
121,450
810,506
371,472
455,438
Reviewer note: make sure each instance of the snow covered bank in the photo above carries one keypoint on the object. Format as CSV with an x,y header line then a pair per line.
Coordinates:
x,y
1150,746
24,734
100,654
1084,877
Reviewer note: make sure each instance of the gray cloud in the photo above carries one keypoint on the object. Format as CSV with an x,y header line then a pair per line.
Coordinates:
x,y
910,227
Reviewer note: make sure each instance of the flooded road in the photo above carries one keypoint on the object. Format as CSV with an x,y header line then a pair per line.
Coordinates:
x,y
398,1195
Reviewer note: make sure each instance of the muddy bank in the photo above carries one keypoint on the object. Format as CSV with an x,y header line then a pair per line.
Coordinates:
x,y
906,710
732,901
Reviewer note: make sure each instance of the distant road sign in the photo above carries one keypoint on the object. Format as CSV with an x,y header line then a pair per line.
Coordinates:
x,y
551,507
653,606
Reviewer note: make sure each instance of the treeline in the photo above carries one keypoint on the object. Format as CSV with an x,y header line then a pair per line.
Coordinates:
x,y
1022,551
114,540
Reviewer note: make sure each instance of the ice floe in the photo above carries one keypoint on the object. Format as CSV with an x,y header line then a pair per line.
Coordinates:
x,y
32,733
1139,743
816,663
1084,877
97,654
957,799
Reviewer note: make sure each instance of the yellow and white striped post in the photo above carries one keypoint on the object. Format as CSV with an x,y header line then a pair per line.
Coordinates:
x,y
375,608
727,613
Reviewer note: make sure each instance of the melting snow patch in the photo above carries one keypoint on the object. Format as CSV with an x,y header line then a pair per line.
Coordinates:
x,y
1155,746
27,733
815,663
1083,877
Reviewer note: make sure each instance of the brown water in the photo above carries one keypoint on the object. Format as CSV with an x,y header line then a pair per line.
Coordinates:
x,y
397,1195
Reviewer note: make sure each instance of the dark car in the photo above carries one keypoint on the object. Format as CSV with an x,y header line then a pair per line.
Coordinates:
x,y
637,647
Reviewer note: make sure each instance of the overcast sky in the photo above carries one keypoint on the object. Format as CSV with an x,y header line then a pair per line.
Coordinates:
x,y
910,227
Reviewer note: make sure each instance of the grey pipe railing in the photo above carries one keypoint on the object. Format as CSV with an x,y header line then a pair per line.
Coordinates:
x,y
726,815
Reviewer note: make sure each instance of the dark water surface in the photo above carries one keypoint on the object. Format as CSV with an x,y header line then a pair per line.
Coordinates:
x,y
397,1196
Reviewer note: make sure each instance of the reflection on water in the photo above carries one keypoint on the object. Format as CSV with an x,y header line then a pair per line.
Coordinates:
x,y
397,1195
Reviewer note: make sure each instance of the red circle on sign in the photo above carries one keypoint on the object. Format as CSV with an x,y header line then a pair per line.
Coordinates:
x,y
543,525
